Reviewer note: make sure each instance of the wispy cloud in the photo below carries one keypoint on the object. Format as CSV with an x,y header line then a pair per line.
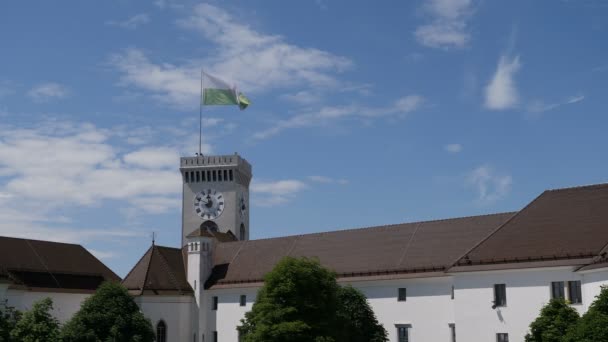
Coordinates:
x,y
256,61
540,106
328,114
489,185
132,22
48,91
501,92
327,180
449,24
453,148
272,193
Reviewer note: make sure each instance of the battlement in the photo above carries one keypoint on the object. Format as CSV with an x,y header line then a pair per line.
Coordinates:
x,y
206,162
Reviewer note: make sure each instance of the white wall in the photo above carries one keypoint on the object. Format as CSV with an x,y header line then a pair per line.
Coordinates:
x,y
592,285
176,311
65,305
229,312
527,291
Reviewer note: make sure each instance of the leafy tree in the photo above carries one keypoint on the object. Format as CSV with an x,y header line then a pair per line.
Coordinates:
x,y
37,324
593,326
8,319
555,319
109,315
302,302
357,319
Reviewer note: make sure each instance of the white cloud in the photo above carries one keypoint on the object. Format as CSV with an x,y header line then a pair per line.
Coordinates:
x,y
304,97
501,92
540,106
489,185
47,91
103,255
256,61
153,158
131,23
449,24
272,193
453,148
329,114
327,180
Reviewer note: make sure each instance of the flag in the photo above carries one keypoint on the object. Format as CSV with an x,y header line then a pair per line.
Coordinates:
x,y
219,92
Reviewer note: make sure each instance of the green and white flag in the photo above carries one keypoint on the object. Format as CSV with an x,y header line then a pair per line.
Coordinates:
x,y
219,92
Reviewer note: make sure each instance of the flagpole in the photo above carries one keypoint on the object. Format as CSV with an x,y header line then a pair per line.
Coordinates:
x,y
200,120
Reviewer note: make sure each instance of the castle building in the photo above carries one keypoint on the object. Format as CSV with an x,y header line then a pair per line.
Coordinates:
x,y
476,279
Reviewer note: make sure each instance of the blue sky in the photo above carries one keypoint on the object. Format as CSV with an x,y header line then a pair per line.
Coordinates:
x,y
364,113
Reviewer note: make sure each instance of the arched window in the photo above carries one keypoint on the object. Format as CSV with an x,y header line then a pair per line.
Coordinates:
x,y
242,232
161,332
209,226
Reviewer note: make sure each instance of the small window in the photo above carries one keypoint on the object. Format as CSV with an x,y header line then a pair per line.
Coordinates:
x,y
219,175
403,333
214,303
502,337
195,284
402,294
452,332
242,232
243,300
225,175
230,175
203,179
452,291
161,332
192,176
574,292
186,177
557,290
198,176
215,336
500,295
214,173
208,176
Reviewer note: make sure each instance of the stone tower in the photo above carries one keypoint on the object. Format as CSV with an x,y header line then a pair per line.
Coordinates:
x,y
215,195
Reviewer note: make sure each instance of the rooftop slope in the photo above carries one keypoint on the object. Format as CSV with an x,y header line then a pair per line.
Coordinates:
x,y
46,264
560,224
160,271
401,248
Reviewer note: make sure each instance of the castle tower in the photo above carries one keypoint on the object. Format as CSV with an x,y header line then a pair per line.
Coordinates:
x,y
215,195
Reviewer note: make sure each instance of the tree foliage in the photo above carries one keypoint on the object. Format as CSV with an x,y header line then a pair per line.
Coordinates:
x,y
357,320
302,302
37,324
110,315
8,320
593,326
555,319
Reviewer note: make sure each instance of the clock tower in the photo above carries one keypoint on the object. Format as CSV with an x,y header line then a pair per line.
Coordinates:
x,y
215,194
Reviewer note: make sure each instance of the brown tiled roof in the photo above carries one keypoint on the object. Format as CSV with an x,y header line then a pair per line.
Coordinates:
x,y
560,224
221,237
160,271
45,264
402,248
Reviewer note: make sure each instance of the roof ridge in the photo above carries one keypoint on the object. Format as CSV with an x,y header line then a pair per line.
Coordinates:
x,y
169,271
495,230
137,263
143,285
577,187
378,227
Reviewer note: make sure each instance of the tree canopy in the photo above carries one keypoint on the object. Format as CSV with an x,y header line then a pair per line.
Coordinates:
x,y
302,302
8,320
554,321
110,314
37,324
593,326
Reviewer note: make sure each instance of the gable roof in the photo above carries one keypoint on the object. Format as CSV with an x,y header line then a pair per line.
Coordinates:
x,y
561,224
45,264
402,248
160,271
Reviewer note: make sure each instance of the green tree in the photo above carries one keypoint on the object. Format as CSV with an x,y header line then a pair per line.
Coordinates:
x,y
555,319
109,315
8,320
357,320
593,326
37,324
302,302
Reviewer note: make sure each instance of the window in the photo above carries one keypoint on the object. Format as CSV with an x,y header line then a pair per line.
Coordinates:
x,y
214,303
452,291
214,173
194,337
219,175
403,333
557,290
242,232
230,175
161,332
186,177
402,294
452,332
208,176
203,176
500,295
502,337
215,336
574,292
225,175
243,300
198,176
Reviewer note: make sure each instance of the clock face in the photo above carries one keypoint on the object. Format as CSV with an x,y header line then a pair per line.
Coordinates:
x,y
209,204
242,206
